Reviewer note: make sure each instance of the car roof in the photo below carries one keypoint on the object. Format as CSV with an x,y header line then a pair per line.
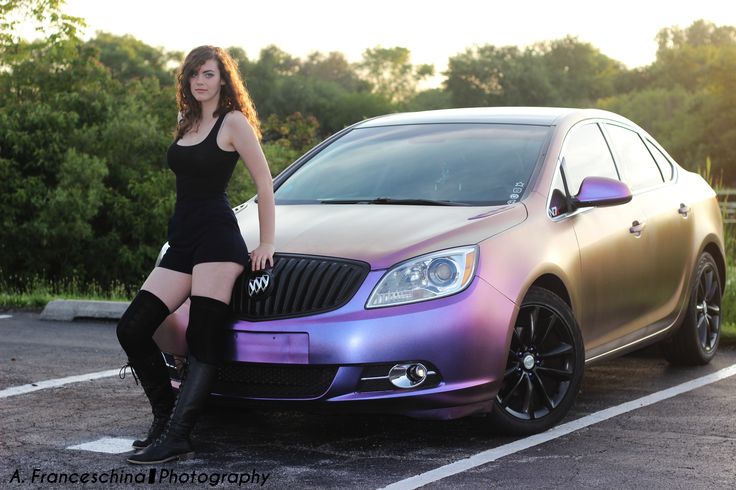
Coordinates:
x,y
545,116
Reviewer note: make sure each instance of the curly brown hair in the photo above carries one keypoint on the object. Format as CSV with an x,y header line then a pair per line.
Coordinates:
x,y
233,95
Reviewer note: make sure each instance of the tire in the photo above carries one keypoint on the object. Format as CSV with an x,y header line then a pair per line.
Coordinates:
x,y
695,341
544,369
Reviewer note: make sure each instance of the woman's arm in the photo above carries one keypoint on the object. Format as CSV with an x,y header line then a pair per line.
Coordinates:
x,y
242,137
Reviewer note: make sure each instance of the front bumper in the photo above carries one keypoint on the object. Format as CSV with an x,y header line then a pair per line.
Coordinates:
x,y
463,339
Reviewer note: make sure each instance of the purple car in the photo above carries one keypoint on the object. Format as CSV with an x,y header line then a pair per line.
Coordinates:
x,y
447,263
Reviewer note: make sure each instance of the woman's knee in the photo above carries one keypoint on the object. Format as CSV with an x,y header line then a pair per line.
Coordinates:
x,y
171,287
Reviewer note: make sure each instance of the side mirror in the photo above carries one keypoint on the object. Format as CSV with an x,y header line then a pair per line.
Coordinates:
x,y
601,191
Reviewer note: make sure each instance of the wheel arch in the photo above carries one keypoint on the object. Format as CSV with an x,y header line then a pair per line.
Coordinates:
x,y
554,284
715,251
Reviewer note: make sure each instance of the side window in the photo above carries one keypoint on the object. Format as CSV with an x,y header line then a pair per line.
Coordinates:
x,y
640,169
587,155
665,166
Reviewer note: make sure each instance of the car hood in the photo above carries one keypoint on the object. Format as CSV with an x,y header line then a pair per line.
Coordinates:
x,y
379,234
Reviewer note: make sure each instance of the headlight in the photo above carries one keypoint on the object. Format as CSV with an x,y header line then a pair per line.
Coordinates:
x,y
427,277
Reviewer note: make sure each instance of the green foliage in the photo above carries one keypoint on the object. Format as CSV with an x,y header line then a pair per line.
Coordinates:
x,y
686,97
127,58
352,107
323,86
296,131
670,115
688,57
333,67
565,72
263,77
80,150
427,100
284,140
391,74
46,17
728,302
35,291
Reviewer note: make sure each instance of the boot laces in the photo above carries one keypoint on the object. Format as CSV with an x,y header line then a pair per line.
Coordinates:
x,y
122,372
161,438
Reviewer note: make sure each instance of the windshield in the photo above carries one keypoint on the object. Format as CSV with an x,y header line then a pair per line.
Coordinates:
x,y
471,164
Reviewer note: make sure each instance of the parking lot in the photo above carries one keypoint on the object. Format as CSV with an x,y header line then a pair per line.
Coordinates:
x,y
53,436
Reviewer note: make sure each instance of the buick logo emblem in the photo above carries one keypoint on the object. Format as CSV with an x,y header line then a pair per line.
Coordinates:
x,y
260,284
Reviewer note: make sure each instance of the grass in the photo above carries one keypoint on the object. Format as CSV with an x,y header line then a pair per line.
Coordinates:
x,y
728,302
728,333
34,292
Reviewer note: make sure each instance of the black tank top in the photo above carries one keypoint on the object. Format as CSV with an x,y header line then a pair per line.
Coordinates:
x,y
202,170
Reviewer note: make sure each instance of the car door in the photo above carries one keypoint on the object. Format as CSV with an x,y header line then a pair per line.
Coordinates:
x,y
613,248
669,226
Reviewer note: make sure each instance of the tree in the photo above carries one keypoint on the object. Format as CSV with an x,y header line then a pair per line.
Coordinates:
x,y
673,116
577,71
686,57
428,100
391,73
82,156
333,67
127,58
565,72
45,15
685,98
477,76
262,77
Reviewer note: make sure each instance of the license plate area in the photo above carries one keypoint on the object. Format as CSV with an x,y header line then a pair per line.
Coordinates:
x,y
267,347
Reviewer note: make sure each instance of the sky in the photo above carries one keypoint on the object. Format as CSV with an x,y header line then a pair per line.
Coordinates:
x,y
432,30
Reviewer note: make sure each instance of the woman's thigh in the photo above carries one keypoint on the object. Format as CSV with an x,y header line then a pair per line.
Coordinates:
x,y
215,279
171,287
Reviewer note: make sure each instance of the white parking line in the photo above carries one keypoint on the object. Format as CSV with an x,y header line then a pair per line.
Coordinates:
x,y
559,431
55,383
109,445
3,317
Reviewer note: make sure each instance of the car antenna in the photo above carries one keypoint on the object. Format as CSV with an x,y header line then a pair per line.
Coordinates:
x,y
568,198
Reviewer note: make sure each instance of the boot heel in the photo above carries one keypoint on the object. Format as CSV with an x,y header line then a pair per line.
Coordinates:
x,y
165,459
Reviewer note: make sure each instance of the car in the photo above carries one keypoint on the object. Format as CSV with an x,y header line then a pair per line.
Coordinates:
x,y
473,261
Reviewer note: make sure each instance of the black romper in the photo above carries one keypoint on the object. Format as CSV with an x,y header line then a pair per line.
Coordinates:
x,y
203,227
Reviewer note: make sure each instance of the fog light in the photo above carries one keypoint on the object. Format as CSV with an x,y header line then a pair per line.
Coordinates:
x,y
408,375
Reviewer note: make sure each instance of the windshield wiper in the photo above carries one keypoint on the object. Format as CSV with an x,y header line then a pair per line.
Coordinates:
x,y
389,200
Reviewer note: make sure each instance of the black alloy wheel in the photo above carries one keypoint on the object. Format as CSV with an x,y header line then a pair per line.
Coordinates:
x,y
544,367
695,342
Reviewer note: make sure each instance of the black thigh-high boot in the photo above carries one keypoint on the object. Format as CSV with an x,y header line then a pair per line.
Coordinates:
x,y
135,331
207,316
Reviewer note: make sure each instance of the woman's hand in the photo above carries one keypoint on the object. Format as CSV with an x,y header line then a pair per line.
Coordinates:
x,y
261,256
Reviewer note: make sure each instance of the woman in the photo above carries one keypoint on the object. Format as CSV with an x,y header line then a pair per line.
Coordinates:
x,y
217,124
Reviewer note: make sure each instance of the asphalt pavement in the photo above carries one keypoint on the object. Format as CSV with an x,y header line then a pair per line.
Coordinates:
x,y
687,441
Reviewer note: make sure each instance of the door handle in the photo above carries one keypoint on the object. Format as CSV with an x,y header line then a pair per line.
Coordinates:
x,y
637,228
684,210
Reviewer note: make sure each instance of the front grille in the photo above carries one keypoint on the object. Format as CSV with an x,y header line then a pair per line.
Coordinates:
x,y
274,380
303,285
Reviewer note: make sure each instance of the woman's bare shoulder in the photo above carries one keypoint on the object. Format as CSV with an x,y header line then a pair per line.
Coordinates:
x,y
235,116
237,121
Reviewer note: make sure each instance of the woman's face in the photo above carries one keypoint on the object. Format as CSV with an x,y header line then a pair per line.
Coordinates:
x,y
205,83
